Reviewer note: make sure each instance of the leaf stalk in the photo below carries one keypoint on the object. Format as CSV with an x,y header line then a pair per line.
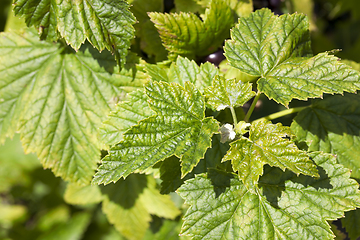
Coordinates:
x,y
252,107
282,113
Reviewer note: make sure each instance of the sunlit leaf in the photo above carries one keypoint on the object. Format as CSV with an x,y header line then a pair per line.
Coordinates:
x,y
267,144
179,128
228,93
105,24
57,99
284,207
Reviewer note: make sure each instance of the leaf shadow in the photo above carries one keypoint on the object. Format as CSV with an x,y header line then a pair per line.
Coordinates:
x,y
333,114
170,169
273,182
106,59
220,181
126,192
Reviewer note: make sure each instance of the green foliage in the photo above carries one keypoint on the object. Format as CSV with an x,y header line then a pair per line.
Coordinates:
x,y
283,207
178,128
105,24
186,35
132,97
267,144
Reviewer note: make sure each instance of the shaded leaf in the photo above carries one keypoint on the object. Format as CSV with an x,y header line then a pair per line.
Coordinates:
x,y
129,203
186,35
170,169
267,144
332,125
57,99
285,207
82,195
351,223
72,229
105,24
179,128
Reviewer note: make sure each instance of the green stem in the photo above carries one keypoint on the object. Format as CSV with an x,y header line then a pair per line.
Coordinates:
x,y
251,109
283,113
233,113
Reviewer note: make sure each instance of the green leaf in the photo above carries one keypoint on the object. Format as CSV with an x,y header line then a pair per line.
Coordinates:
x,y
228,93
351,223
57,99
82,195
183,70
309,78
178,128
125,115
129,203
105,24
149,38
276,50
332,125
285,207
243,8
186,35
262,41
267,144
170,169
73,229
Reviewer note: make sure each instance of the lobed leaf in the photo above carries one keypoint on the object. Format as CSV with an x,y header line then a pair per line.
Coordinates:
x,y
179,128
105,24
228,93
309,78
277,50
186,35
183,70
332,125
57,99
267,144
262,41
285,207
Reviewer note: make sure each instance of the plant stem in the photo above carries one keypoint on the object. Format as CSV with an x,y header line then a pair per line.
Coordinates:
x,y
251,109
282,113
233,113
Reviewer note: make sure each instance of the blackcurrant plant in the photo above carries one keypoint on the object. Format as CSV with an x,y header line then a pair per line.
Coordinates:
x,y
148,109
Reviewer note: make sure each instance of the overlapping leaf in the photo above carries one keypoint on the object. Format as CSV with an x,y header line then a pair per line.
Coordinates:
x,y
170,169
183,70
277,50
351,223
125,115
146,32
57,100
267,144
285,207
226,93
105,24
186,35
178,128
333,125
